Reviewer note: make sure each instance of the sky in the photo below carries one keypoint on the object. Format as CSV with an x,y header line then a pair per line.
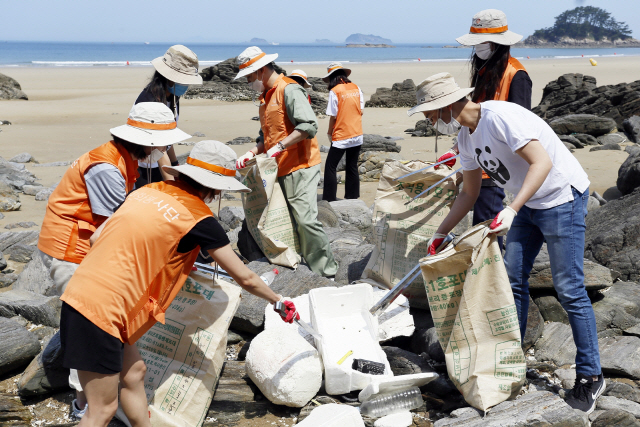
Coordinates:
x,y
302,21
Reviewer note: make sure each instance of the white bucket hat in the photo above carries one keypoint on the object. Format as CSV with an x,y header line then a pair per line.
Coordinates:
x,y
252,59
212,164
302,75
333,67
437,91
489,26
151,124
179,65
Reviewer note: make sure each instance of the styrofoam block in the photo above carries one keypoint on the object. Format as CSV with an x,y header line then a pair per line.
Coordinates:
x,y
284,366
395,321
401,419
273,319
382,385
333,415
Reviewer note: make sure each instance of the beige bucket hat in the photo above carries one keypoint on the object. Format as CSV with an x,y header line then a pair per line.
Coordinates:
x,y
212,164
489,26
437,91
302,75
179,65
252,59
332,68
151,124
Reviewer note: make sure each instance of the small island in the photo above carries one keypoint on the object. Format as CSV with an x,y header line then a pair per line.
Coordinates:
x,y
366,45
257,41
364,39
584,26
324,41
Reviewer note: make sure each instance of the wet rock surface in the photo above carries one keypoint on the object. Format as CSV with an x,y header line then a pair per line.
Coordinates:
x,y
399,95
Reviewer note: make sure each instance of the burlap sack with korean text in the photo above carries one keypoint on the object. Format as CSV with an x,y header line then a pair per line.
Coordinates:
x,y
184,356
401,233
475,317
268,217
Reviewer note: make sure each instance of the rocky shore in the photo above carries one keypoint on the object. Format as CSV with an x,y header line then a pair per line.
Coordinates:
x,y
568,42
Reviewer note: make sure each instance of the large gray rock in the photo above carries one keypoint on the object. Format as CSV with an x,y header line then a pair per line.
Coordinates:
x,y
535,326
21,253
609,402
556,345
611,138
356,212
400,95
613,236
326,215
586,139
370,164
372,142
10,89
631,128
609,146
37,309
16,174
289,283
351,263
22,158
620,356
583,123
3,262
617,418
19,346
629,174
344,239
620,307
571,141
241,140
6,279
9,198
541,408
622,391
45,373
13,413
43,195
551,309
10,238
231,217
35,278
422,128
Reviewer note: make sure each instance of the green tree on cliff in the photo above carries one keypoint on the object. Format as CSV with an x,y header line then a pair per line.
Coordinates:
x,y
585,22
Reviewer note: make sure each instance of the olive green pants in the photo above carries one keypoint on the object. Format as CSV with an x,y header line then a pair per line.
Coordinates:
x,y
301,191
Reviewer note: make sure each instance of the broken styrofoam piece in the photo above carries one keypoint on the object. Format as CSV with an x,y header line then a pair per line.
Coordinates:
x,y
395,321
349,331
401,419
333,415
273,320
382,384
284,366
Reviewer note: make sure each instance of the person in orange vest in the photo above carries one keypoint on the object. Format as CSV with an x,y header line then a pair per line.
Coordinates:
x,y
91,190
288,126
140,258
345,107
498,76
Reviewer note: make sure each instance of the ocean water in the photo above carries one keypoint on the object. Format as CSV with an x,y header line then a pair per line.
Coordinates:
x,y
59,54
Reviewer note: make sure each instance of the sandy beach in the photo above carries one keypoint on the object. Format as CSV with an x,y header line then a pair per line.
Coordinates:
x,y
70,111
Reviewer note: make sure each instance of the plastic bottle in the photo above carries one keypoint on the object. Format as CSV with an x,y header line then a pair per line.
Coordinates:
x,y
392,403
269,276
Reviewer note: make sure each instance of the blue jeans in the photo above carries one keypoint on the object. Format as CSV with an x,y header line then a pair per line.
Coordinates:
x,y
563,228
488,205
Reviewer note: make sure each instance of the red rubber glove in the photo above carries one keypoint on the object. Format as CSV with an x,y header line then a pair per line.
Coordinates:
x,y
435,242
449,154
291,312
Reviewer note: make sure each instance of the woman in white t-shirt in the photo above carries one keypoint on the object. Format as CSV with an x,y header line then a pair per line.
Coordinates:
x,y
346,103
521,153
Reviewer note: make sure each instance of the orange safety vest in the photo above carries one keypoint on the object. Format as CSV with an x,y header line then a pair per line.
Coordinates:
x,y
133,272
349,119
69,222
276,126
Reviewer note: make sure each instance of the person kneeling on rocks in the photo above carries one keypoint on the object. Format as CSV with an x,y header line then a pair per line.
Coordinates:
x,y
521,153
139,260
289,126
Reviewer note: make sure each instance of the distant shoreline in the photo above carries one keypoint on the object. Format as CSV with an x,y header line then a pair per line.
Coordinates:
x,y
381,45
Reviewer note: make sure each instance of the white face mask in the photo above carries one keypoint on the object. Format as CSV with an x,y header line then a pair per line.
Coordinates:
x,y
257,85
483,51
447,128
154,156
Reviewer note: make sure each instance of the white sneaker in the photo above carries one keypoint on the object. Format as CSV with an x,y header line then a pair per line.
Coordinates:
x,y
77,412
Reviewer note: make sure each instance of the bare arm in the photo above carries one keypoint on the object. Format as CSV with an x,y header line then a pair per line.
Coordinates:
x,y
332,123
464,202
539,166
172,154
165,161
247,279
96,233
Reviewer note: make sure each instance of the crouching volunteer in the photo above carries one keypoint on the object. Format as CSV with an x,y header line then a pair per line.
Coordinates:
x,y
91,190
135,268
521,153
289,126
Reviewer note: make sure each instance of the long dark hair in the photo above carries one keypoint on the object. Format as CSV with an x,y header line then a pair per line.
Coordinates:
x,y
486,75
338,77
158,87
136,150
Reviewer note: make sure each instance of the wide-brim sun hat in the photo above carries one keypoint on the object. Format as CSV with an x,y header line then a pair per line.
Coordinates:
x,y
252,59
332,68
302,75
151,124
437,91
489,26
212,164
180,65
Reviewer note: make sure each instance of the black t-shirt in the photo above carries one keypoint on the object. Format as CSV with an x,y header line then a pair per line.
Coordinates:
x,y
520,90
208,234
146,96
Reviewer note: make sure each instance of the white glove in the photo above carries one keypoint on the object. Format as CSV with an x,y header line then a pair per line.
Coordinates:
x,y
275,151
435,242
242,160
502,222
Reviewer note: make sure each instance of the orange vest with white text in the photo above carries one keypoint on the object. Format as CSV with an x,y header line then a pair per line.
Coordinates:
x,y
133,272
69,222
276,126
349,119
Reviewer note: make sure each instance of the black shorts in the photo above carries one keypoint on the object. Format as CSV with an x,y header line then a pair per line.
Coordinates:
x,y
86,347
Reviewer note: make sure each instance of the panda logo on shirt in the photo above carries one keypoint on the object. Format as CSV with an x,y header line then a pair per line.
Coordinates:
x,y
492,166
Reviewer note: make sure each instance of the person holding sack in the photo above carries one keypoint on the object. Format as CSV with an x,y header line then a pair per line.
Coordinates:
x,y
345,109
139,261
288,125
521,153
498,76
174,72
92,189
